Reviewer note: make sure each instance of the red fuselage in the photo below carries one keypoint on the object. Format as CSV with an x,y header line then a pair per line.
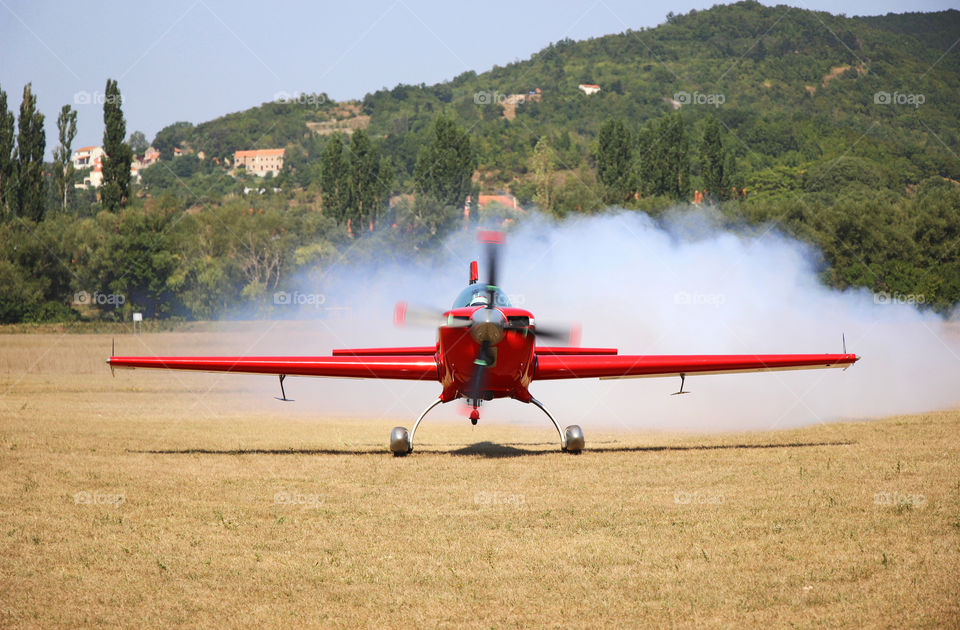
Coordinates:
x,y
513,365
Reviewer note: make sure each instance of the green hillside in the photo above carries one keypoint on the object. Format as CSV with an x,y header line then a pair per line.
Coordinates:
x,y
839,131
797,88
834,123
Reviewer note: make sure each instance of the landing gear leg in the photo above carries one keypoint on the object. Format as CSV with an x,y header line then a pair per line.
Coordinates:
x,y
571,439
401,442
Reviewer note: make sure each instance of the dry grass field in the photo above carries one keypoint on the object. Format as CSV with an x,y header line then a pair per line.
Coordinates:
x,y
119,506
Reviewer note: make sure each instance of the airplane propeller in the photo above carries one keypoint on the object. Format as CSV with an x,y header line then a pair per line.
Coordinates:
x,y
484,320
488,323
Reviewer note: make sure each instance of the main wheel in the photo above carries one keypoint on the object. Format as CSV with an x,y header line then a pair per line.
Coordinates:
x,y
574,435
400,441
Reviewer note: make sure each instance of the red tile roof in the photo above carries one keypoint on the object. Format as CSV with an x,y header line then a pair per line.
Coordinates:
x,y
506,200
259,153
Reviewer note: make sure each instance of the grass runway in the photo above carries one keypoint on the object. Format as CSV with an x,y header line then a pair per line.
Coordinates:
x,y
119,507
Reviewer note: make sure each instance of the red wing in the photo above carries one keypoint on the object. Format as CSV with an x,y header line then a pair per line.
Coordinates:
x,y
557,367
413,368
567,350
414,351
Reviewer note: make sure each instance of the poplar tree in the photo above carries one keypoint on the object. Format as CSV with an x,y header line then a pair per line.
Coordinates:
x,y
363,179
614,158
333,179
31,144
116,163
543,167
6,154
63,175
712,161
445,166
675,149
663,148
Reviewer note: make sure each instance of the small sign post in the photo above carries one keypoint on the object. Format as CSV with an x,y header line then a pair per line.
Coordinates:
x,y
137,323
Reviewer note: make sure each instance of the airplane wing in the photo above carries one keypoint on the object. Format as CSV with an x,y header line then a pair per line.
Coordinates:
x,y
413,367
551,367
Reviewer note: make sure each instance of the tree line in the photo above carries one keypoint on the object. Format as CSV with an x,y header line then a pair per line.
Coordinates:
x,y
193,241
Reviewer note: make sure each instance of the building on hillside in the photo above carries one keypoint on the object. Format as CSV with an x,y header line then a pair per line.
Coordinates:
x,y
504,199
589,88
86,157
92,178
150,156
89,160
260,161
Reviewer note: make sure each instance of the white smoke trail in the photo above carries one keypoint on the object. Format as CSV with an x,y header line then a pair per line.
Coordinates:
x,y
682,285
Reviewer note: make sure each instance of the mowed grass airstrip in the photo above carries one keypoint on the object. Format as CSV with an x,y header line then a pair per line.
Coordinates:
x,y
119,507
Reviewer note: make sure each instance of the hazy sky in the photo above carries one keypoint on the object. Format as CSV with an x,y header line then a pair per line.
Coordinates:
x,y
197,59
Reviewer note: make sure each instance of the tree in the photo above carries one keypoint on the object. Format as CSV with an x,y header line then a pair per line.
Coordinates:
x,y
386,177
712,161
664,161
31,144
116,162
63,173
543,166
6,154
675,148
614,158
138,142
445,166
172,136
334,180
364,179
732,180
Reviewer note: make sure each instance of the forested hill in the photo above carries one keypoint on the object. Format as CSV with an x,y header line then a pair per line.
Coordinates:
x,y
792,88
839,131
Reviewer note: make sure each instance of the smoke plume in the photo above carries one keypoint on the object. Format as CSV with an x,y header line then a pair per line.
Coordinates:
x,y
679,285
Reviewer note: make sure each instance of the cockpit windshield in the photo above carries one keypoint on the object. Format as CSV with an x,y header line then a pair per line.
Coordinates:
x,y
477,295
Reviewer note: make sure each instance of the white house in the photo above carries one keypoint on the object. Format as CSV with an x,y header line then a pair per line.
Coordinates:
x,y
86,157
589,88
90,159
260,161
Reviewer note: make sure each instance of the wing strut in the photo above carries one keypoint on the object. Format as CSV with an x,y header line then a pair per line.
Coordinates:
x,y
283,394
683,377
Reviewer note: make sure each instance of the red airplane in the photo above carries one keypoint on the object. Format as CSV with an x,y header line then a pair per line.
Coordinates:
x,y
487,349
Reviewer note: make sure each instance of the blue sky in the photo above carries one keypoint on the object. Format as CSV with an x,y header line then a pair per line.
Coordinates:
x,y
198,59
